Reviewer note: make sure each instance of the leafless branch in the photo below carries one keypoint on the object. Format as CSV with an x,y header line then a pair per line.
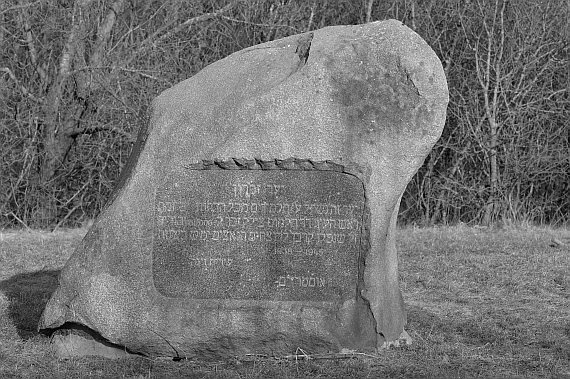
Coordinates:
x,y
263,25
155,39
109,128
369,10
29,38
104,32
311,17
22,88
21,6
141,25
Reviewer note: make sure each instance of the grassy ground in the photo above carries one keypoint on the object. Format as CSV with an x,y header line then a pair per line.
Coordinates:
x,y
481,303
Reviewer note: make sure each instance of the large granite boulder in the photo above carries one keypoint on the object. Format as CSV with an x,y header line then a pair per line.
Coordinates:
x,y
257,211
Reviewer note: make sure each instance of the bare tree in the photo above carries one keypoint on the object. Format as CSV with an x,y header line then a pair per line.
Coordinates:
x,y
70,92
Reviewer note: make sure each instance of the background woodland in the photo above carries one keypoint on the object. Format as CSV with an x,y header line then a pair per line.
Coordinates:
x,y
77,79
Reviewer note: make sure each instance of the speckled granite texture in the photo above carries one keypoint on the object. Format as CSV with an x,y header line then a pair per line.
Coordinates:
x,y
359,107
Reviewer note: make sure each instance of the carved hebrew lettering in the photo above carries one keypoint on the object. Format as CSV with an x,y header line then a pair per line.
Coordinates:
x,y
258,234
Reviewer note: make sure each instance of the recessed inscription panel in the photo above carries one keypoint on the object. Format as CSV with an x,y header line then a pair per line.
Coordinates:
x,y
258,235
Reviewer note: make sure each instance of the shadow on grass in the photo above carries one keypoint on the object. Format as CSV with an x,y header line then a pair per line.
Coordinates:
x,y
27,295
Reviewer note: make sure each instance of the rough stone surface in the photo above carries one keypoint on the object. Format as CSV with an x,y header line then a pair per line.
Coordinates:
x,y
324,129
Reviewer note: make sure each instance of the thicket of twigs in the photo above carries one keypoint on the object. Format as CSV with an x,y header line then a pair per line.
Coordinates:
x,y
77,77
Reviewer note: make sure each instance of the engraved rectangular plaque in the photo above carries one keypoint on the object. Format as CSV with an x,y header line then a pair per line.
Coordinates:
x,y
286,235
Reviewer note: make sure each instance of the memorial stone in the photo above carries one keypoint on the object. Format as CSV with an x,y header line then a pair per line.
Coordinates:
x,y
257,211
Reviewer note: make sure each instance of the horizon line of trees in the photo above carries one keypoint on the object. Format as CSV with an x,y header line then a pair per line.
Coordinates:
x,y
77,78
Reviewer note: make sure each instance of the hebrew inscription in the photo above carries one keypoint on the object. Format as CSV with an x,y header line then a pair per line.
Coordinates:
x,y
258,234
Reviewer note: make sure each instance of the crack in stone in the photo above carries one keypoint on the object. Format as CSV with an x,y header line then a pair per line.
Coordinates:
x,y
303,48
408,76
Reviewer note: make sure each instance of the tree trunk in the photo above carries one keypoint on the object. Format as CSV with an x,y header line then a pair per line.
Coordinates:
x,y
490,209
62,122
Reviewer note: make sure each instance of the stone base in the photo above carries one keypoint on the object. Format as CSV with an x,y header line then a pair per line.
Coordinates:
x,y
403,340
79,341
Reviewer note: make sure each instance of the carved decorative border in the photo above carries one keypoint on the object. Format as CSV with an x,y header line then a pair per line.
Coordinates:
x,y
361,172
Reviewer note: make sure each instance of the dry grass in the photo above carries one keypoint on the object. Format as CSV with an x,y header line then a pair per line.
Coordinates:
x,y
482,303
